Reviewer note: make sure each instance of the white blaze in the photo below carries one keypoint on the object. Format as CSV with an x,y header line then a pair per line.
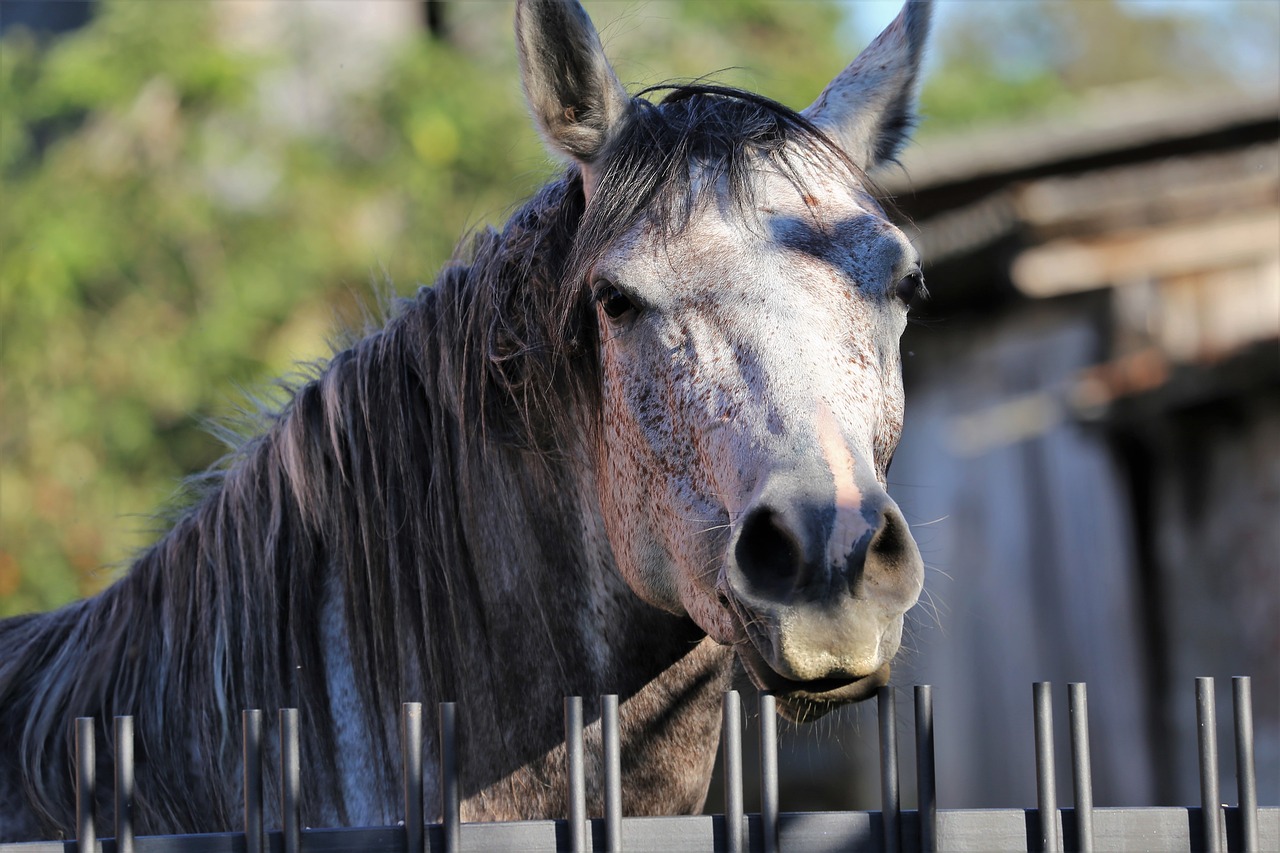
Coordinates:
x,y
850,525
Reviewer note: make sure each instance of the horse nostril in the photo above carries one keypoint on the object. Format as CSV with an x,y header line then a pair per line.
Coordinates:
x,y
892,547
889,538
767,553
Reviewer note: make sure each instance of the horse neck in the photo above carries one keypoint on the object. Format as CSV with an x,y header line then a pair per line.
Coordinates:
x,y
483,575
560,621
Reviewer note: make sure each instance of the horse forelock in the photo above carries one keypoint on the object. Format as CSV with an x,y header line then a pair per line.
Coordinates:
x,y
697,140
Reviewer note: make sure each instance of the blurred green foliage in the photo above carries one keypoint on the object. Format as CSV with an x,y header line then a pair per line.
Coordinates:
x,y
167,236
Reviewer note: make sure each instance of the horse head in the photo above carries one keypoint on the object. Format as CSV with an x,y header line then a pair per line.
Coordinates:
x,y
748,294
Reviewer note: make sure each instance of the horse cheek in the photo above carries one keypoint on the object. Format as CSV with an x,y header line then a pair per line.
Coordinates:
x,y
626,474
891,419
892,408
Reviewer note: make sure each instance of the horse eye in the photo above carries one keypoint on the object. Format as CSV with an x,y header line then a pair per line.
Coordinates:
x,y
614,302
909,286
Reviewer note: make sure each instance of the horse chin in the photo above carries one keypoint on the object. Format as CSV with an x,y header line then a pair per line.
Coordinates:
x,y
806,701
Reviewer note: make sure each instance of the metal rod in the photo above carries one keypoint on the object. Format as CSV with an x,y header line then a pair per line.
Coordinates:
x,y
576,774
769,771
889,800
1046,781
734,822
1246,781
1081,769
612,744
124,784
1206,722
86,765
411,764
926,791
254,840
450,805
290,781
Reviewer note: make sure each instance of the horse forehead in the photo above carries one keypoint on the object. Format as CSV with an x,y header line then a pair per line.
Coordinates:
x,y
818,190
817,221
786,243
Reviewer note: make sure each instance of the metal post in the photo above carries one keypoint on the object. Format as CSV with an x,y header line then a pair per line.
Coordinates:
x,y
734,822
889,799
577,780
612,746
769,771
124,784
1206,721
86,795
1081,771
254,838
1046,781
450,805
290,781
926,790
411,764
1246,780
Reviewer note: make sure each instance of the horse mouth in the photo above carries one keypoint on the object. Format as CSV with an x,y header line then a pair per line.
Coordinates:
x,y
805,701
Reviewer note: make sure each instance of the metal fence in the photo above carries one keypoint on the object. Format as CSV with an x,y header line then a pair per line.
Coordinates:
x,y
1244,827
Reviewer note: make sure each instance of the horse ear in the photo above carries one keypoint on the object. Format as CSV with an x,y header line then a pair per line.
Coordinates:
x,y
869,108
574,95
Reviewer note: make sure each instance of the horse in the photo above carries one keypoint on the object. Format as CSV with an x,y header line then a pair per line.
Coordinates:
x,y
637,434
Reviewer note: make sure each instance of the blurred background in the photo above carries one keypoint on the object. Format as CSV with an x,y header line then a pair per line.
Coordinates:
x,y
196,196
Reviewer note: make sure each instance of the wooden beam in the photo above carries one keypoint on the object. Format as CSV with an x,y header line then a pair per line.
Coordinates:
x,y
1075,265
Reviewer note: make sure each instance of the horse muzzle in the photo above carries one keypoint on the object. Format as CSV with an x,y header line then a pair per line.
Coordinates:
x,y
819,591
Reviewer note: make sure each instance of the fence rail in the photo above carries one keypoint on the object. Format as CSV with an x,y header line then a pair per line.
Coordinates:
x,y
1245,827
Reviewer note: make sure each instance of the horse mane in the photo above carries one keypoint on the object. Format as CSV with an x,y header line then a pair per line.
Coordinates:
x,y
370,463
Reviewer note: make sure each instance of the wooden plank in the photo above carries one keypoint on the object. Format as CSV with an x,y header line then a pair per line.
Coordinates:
x,y
1108,124
1071,266
1193,187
